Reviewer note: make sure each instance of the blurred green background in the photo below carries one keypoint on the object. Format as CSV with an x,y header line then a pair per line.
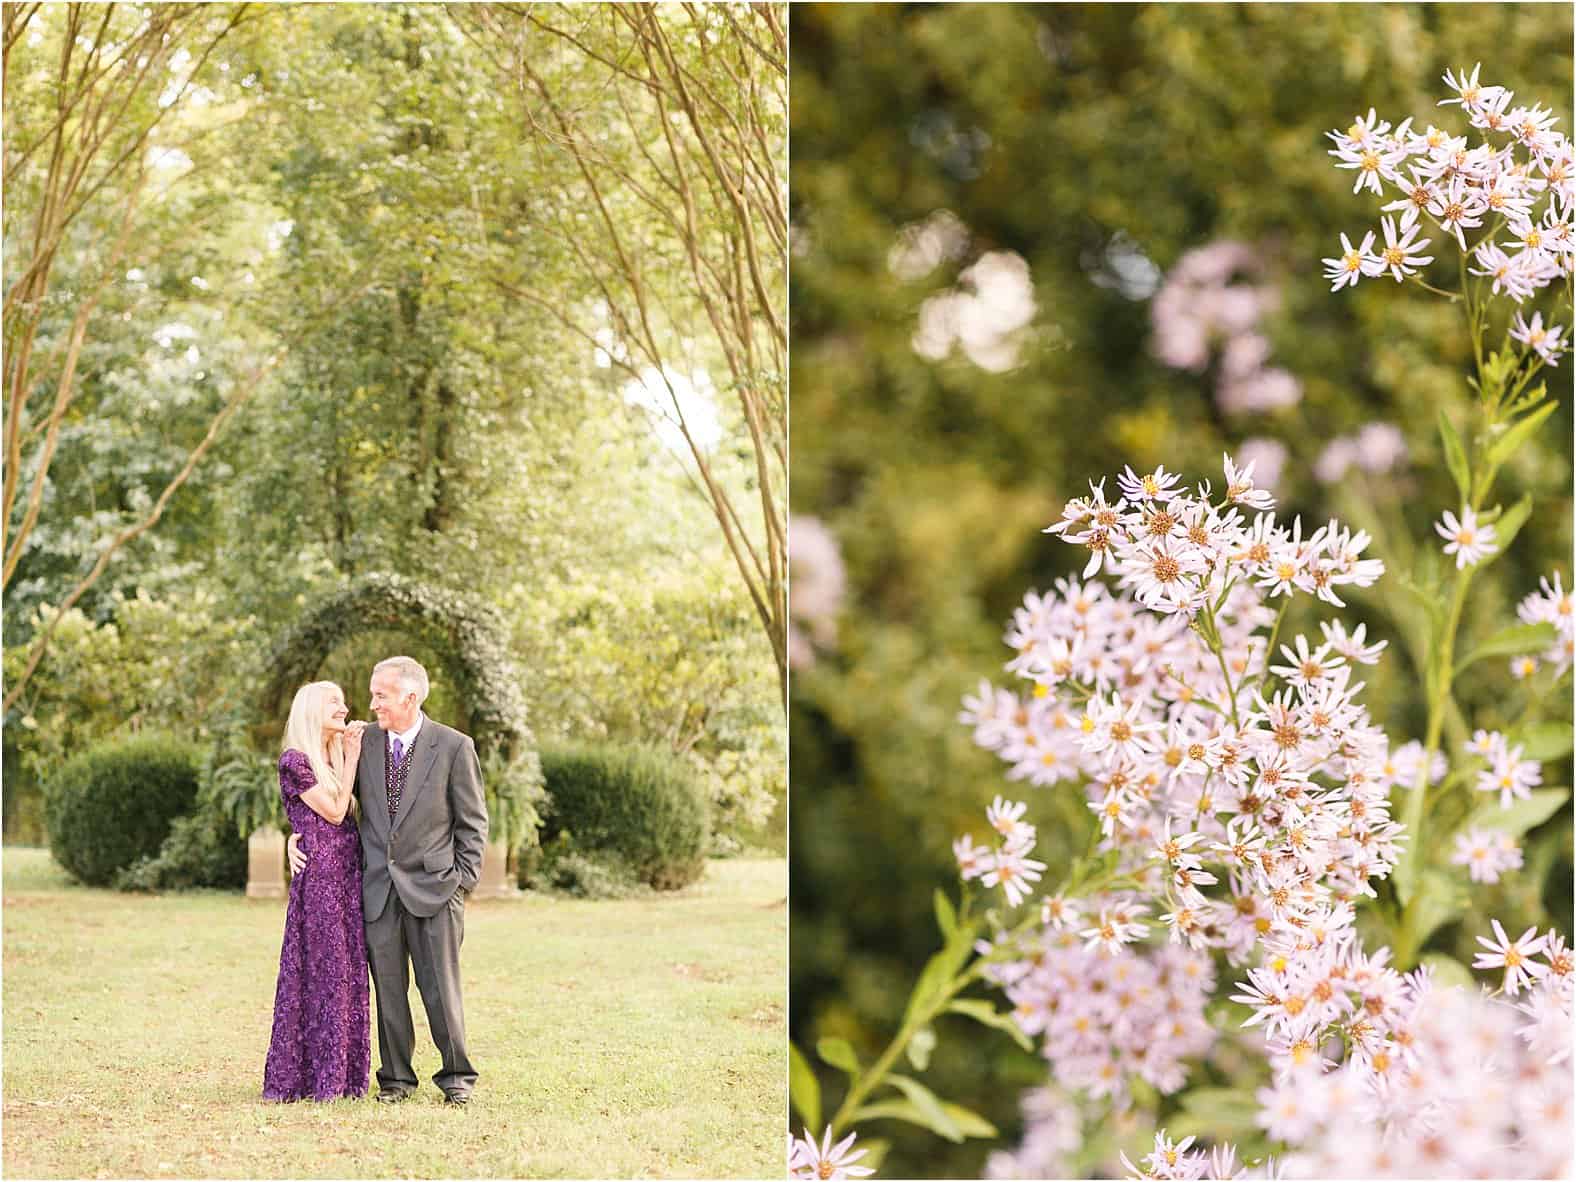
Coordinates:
x,y
1098,143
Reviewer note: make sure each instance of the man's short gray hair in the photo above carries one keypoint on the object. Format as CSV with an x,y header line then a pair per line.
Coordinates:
x,y
410,673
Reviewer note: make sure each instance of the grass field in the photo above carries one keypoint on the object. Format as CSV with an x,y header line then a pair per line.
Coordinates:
x,y
624,1039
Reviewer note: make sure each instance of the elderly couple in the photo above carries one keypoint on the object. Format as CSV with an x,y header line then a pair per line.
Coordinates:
x,y
389,824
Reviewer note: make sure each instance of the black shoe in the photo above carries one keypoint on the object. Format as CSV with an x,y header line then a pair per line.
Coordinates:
x,y
388,1096
455,1099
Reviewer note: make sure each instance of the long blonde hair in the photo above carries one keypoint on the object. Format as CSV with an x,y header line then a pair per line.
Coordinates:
x,y
304,733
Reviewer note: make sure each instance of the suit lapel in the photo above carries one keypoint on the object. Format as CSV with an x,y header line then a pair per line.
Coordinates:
x,y
374,762
421,764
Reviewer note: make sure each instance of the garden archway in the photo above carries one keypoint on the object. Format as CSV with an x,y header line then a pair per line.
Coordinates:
x,y
468,635
469,638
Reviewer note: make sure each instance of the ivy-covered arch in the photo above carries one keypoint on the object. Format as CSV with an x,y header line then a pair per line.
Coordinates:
x,y
467,634
469,638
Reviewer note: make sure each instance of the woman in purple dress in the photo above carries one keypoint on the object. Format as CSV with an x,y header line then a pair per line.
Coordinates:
x,y
321,1045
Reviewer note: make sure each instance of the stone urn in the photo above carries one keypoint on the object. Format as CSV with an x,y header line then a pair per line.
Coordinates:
x,y
265,864
495,881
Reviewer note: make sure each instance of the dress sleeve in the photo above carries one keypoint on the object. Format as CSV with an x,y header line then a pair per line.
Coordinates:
x,y
295,774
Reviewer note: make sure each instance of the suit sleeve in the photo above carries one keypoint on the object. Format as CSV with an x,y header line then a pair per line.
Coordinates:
x,y
468,807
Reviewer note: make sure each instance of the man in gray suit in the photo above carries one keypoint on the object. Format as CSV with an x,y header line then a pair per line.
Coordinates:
x,y
423,826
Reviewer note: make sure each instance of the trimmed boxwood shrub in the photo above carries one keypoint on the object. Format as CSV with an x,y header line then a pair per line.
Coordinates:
x,y
640,805
202,850
114,804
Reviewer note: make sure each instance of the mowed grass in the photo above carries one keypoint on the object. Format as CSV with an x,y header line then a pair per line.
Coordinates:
x,y
621,1039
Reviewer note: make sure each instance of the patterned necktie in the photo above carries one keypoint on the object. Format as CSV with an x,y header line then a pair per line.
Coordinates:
x,y
394,784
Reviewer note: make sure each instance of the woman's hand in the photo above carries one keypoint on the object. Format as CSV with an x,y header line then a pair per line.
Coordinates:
x,y
352,742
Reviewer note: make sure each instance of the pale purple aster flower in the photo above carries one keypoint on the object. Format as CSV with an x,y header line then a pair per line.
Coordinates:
x,y
1469,541
1544,341
1486,853
1514,956
826,1162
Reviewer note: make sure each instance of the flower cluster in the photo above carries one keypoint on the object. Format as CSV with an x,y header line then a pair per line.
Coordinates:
x,y
1213,297
1104,1014
1052,1134
1242,788
1180,552
1435,1080
1008,865
1526,185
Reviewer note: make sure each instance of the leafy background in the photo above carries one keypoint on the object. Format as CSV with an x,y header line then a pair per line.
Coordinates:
x,y
362,185
1078,136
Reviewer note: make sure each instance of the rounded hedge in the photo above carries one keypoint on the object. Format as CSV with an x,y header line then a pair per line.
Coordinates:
x,y
202,850
639,804
114,804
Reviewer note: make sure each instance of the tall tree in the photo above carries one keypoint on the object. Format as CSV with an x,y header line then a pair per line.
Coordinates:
x,y
664,130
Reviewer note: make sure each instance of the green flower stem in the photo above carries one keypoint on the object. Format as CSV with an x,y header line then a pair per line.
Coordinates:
x,y
1269,651
1415,815
873,1076
1441,701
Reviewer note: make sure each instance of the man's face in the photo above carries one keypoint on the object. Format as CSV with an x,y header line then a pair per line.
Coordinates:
x,y
395,707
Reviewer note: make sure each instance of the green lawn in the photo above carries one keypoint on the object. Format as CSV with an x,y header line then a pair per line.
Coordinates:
x,y
636,1038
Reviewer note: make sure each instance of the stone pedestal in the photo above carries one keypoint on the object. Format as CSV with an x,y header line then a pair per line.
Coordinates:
x,y
265,864
495,881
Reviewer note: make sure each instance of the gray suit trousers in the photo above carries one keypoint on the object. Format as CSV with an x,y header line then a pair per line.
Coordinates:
x,y
430,945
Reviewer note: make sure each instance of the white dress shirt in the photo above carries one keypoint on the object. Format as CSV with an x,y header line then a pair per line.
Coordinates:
x,y
407,738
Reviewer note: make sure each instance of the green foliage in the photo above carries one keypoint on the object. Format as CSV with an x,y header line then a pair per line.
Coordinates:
x,y
114,804
241,785
360,193
515,797
599,875
167,664
202,850
637,804
693,681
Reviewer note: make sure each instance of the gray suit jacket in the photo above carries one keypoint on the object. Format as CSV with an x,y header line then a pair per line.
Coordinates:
x,y
434,846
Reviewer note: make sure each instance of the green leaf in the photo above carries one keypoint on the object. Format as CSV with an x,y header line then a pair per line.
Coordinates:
x,y
933,1116
1545,741
971,1123
839,1053
982,1011
1405,873
1215,1112
1455,455
1511,642
804,1090
907,1110
920,1046
1522,815
1440,899
946,917
940,968
1449,971
1511,441
1508,526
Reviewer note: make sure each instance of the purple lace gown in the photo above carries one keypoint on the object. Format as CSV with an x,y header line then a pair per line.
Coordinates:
x,y
321,1046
